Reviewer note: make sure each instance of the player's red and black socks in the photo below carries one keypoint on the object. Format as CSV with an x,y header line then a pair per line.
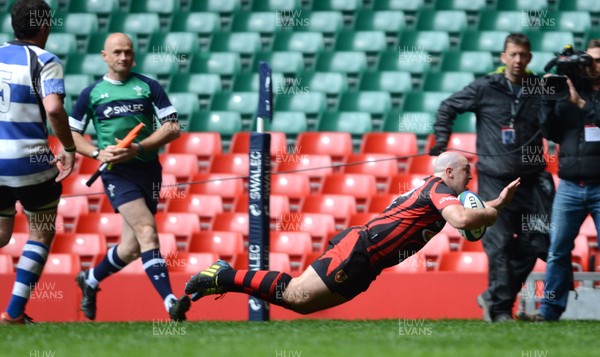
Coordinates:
x,y
265,285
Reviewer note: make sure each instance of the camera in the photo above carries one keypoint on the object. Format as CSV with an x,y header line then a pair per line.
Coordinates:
x,y
569,63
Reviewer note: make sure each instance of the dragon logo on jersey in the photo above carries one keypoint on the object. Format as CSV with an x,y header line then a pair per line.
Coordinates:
x,y
340,277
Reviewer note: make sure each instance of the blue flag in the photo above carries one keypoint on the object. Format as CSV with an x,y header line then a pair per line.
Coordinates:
x,y
265,91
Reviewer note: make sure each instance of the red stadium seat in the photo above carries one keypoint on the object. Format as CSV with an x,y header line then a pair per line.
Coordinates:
x,y
168,244
401,145
55,144
15,245
421,165
552,164
182,225
71,208
232,221
580,255
240,143
106,207
398,144
170,190
316,167
277,262
21,224
361,186
108,224
540,266
85,245
135,267
295,244
405,182
183,166
202,144
6,264
588,228
382,166
434,249
205,206
295,186
472,262
192,262
413,264
62,263
360,219
465,142
235,164
319,225
473,184
341,207
468,246
229,187
454,236
378,203
75,185
280,262
226,244
88,166
335,144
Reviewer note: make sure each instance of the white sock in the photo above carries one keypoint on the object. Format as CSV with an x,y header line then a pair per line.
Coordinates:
x,y
169,301
91,279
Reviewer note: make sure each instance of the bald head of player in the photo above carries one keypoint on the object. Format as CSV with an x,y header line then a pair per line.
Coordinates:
x,y
454,169
119,56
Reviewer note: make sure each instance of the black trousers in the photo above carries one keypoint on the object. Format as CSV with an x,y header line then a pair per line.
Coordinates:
x,y
515,241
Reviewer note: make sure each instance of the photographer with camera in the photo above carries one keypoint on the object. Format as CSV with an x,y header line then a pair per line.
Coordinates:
x,y
509,145
570,119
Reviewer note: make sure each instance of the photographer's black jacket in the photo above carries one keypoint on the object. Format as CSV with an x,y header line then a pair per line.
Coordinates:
x,y
563,122
490,98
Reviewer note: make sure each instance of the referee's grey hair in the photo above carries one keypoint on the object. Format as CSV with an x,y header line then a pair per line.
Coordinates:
x,y
446,159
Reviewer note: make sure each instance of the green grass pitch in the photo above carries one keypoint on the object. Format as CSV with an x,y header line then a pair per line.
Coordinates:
x,y
303,338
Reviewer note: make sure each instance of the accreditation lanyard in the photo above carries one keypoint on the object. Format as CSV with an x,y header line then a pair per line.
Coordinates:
x,y
508,132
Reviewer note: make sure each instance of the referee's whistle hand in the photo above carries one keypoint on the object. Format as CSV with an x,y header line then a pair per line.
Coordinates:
x,y
117,154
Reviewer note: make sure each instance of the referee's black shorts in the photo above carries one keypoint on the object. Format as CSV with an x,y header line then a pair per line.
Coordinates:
x,y
133,180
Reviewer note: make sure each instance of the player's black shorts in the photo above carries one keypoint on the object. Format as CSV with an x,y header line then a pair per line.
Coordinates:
x,y
345,265
40,197
130,181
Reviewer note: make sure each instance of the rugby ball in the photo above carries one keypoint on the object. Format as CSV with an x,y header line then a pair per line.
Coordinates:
x,y
469,199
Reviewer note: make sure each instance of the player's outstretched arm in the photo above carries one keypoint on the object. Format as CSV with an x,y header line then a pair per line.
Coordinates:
x,y
460,217
505,196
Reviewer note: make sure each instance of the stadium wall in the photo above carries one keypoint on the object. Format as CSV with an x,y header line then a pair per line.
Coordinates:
x,y
130,297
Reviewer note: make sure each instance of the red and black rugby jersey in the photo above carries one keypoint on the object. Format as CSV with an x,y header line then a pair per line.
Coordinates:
x,y
407,224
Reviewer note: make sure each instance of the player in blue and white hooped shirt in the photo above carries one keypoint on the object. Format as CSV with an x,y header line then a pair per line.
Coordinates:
x,y
31,92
